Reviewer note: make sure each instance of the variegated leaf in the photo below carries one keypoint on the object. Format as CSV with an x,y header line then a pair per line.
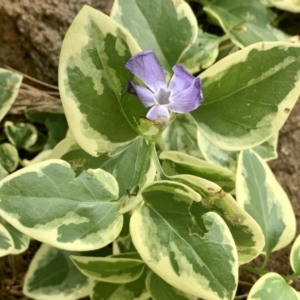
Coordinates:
x,y
21,135
181,136
135,290
123,243
247,234
9,87
47,202
289,5
9,157
228,159
20,240
268,149
161,290
152,30
92,82
295,256
245,22
180,163
272,286
52,275
195,255
248,95
39,144
203,53
6,242
3,172
125,166
121,268
258,191
215,155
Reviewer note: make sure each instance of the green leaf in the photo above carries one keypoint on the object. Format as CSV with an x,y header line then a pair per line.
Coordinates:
x,y
195,255
21,135
180,163
181,136
6,242
228,159
135,290
155,23
20,241
92,81
272,286
295,256
161,290
121,268
9,157
288,5
56,124
203,53
9,87
247,234
226,50
258,191
47,202
52,275
245,22
57,128
248,95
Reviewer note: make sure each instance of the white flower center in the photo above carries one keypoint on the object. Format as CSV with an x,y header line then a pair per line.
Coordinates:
x,y
162,96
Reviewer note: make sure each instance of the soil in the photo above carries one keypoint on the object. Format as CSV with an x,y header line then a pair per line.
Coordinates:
x,y
31,33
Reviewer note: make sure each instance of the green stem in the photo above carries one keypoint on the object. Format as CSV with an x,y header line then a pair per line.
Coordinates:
x,y
254,270
281,17
264,263
290,277
224,38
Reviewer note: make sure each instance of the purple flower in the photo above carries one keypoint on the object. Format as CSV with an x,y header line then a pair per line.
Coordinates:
x,y
183,94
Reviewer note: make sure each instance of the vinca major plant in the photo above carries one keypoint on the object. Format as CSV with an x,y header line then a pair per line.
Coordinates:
x,y
161,188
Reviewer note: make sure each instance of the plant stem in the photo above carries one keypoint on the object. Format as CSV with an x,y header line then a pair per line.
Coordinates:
x,y
241,296
281,17
264,263
254,270
290,277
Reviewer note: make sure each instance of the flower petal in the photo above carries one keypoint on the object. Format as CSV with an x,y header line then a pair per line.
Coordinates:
x,y
188,99
158,113
181,79
144,95
145,65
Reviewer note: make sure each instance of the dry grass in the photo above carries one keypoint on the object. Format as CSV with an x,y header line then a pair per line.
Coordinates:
x,y
35,96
